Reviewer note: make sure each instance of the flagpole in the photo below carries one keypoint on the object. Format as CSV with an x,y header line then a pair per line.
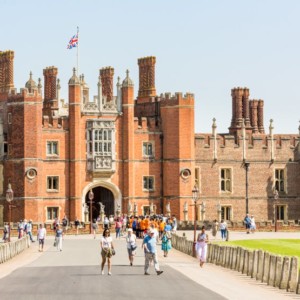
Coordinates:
x,y
77,51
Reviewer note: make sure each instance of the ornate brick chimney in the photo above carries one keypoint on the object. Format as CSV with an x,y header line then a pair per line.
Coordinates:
x,y
107,78
6,70
50,93
260,116
147,77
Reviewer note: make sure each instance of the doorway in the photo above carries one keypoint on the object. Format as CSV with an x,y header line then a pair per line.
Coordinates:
x,y
106,197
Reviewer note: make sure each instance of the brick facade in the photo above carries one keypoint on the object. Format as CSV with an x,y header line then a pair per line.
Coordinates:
x,y
135,153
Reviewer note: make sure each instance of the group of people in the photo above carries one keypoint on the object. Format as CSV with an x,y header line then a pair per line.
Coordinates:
x,y
149,246
24,227
250,223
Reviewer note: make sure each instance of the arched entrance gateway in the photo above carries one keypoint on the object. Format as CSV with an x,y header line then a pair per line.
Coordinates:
x,y
106,197
106,193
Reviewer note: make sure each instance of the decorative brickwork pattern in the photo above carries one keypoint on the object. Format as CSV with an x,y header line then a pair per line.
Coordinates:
x,y
107,77
147,77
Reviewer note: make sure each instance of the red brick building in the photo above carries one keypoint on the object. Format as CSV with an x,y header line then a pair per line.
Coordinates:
x,y
140,154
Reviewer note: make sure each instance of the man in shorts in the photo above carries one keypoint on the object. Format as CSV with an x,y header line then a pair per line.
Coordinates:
x,y
41,235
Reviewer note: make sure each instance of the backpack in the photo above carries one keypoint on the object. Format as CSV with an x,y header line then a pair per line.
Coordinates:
x,y
65,222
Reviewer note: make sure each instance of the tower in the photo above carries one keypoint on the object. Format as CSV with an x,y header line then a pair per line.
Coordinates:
x,y
75,138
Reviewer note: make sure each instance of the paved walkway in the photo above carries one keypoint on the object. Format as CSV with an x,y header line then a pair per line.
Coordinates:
x,y
74,273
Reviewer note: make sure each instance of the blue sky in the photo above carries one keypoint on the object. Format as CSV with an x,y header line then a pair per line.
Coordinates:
x,y
204,47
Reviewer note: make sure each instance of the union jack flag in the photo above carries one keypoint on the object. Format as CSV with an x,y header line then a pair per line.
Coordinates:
x,y
73,42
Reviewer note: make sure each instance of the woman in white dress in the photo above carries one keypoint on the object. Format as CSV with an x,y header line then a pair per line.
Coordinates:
x,y
107,250
201,246
131,245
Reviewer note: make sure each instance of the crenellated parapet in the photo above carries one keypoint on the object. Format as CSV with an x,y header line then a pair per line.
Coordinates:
x,y
24,96
258,147
55,123
168,99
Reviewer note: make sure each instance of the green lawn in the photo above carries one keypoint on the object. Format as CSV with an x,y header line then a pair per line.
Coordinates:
x,y
285,247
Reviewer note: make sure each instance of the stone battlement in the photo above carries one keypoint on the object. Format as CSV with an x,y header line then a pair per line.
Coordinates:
x,y
55,123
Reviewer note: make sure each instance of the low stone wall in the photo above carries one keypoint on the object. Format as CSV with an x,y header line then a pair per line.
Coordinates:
x,y
274,270
9,250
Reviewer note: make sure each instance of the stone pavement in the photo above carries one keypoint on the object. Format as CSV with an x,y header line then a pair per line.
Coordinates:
x,y
77,266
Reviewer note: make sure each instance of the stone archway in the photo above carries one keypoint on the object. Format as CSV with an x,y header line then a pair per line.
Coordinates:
x,y
106,197
107,193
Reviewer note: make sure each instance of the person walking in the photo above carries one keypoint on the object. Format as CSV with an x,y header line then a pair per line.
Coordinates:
x,y
201,246
131,245
58,237
95,227
107,250
41,235
149,246
166,244
77,223
106,223
252,225
247,222
118,227
20,229
5,233
214,228
65,222
223,228
29,230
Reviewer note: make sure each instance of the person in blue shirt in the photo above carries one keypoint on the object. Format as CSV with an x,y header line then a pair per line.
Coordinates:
x,y
149,246
247,221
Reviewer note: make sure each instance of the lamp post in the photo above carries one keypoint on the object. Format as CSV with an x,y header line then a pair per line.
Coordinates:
x,y
9,198
195,193
276,196
91,197
247,165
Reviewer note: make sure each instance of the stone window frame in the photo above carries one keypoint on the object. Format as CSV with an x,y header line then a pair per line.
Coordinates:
x,y
9,149
9,118
279,181
143,181
106,160
231,180
285,212
57,147
146,143
144,206
226,206
51,190
52,207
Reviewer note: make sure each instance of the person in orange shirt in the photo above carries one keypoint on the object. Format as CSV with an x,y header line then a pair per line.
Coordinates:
x,y
147,223
162,225
142,227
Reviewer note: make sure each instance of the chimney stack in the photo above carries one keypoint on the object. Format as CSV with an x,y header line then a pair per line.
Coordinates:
x,y
147,77
107,78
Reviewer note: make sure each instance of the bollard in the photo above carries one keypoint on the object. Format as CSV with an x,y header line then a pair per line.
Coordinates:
x,y
255,264
278,271
293,276
246,262
285,273
272,270
250,263
260,265
238,255
266,268
234,255
242,258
